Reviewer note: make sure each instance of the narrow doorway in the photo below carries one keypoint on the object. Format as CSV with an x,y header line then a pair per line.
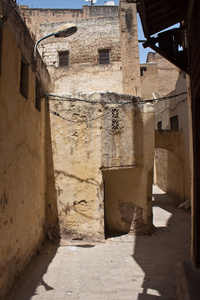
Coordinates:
x,y
122,195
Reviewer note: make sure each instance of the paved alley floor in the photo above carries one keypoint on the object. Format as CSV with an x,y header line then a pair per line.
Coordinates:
x,y
121,268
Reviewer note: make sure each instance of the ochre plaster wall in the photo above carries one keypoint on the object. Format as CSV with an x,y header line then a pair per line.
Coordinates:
x,y
172,172
169,174
22,164
149,79
125,199
81,151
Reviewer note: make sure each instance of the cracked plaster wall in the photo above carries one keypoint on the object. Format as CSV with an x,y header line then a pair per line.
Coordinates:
x,y
22,164
82,151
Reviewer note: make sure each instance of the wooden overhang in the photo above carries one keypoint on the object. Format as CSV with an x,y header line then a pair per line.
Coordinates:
x,y
157,16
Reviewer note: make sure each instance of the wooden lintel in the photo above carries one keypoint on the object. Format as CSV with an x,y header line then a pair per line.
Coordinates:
x,y
170,58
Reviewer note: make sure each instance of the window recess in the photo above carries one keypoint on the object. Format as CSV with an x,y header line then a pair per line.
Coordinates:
x,y
104,57
63,58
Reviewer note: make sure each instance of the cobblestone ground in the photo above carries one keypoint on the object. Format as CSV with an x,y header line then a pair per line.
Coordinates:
x,y
121,268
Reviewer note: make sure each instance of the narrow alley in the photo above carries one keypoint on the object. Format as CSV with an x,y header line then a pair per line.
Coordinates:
x,y
124,267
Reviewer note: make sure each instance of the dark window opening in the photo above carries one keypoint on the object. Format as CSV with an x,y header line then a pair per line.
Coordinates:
x,y
142,69
38,92
115,119
24,78
104,57
174,123
159,125
1,41
63,58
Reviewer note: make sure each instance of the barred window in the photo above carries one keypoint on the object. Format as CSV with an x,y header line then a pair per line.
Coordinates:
x,y
24,79
104,57
1,40
115,119
63,58
38,95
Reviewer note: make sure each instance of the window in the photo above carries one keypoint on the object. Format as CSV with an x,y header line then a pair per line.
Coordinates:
x,y
174,123
142,69
159,125
115,119
1,40
63,58
24,77
104,57
38,95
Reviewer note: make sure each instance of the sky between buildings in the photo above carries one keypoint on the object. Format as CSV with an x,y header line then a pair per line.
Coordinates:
x,y
78,4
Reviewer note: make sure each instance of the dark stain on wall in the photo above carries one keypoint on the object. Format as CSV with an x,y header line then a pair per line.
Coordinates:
x,y
131,214
129,20
3,201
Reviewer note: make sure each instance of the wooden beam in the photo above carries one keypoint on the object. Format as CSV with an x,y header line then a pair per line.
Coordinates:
x,y
170,58
143,17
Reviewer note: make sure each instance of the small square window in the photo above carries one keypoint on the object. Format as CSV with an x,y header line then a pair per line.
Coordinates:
x,y
104,57
174,123
142,69
159,125
63,58
24,78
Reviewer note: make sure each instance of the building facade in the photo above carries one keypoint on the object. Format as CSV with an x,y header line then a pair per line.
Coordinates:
x,y
100,160
163,81
85,155
98,56
22,146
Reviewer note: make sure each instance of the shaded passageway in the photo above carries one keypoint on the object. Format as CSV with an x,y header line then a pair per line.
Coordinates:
x,y
158,254
124,267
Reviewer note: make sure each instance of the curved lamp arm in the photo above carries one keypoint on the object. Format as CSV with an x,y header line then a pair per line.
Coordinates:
x,y
45,37
63,31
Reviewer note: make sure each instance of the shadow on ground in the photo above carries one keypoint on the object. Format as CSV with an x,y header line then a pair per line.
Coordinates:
x,y
159,253
33,275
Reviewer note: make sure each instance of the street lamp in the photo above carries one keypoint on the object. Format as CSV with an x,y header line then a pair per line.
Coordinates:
x,y
63,31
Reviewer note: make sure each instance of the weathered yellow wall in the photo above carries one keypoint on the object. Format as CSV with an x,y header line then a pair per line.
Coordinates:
x,y
169,174
82,151
172,172
126,201
22,164
149,80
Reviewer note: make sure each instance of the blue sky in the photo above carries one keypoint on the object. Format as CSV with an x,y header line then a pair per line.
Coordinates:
x,y
79,4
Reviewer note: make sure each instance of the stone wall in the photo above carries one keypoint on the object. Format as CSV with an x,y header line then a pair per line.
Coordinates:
x,y
99,27
22,151
167,73
129,48
84,73
34,17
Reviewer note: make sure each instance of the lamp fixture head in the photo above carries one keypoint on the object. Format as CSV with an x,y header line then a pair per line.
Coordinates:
x,y
65,30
